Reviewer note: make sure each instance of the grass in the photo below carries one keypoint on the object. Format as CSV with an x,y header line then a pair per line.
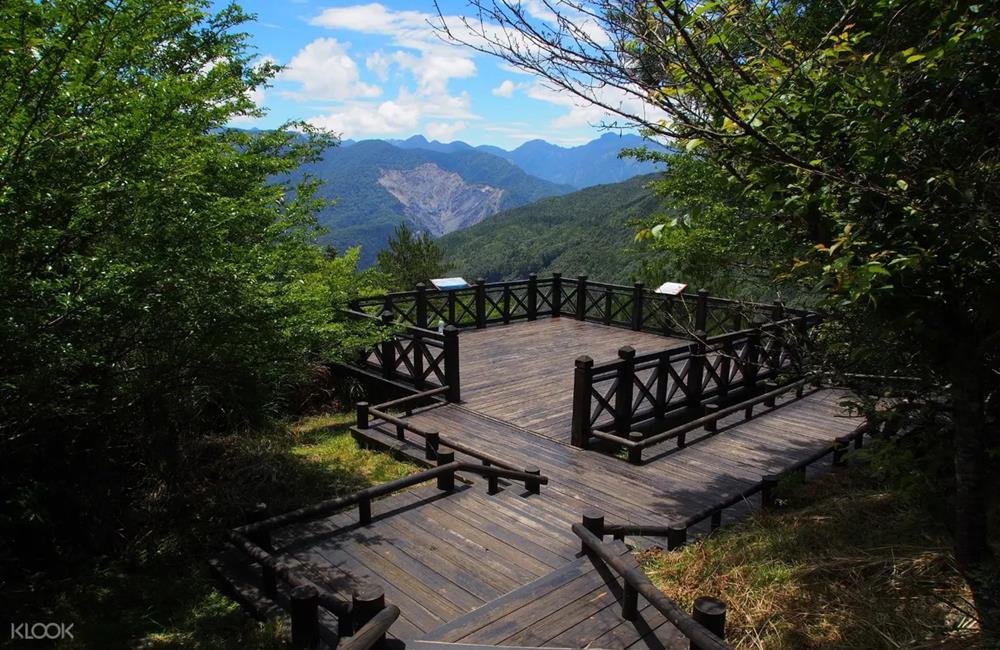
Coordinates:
x,y
160,593
843,562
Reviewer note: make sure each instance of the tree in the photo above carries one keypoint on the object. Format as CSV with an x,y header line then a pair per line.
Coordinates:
x,y
863,131
411,258
153,284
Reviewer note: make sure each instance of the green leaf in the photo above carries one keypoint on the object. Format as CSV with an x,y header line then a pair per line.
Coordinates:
x,y
913,58
693,144
903,185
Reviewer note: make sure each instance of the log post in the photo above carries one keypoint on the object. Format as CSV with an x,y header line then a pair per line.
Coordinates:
x,y
701,311
635,453
362,411
452,319
388,348
608,302
637,292
365,510
624,390
506,303
581,297
305,617
662,380
752,366
768,387
421,305
446,481
451,370
593,520
630,602
492,482
711,613
696,372
366,602
726,367
533,486
556,295
418,346
839,450
716,520
676,536
532,296
261,538
480,303
432,440
712,425
580,431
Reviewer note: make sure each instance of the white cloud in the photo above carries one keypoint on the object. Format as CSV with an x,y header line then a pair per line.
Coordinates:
x,y
325,71
398,116
506,89
444,131
432,71
379,63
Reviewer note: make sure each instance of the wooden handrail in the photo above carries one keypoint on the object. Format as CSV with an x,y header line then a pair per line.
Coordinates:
x,y
403,400
371,632
637,580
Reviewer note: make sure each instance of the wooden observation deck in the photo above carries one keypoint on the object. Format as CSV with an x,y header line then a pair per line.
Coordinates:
x,y
561,409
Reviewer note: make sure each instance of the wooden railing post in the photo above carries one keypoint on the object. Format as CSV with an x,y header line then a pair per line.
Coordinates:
x,y
696,372
701,311
768,484
593,520
452,376
725,367
305,616
262,538
581,297
421,300
446,482
752,366
452,319
778,311
533,486
432,440
506,303
580,432
711,613
417,348
480,303
662,379
677,535
637,292
366,602
623,392
608,302
635,453
388,348
362,411
556,295
532,296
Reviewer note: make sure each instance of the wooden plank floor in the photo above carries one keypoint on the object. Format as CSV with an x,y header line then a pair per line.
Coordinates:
x,y
575,607
674,484
501,365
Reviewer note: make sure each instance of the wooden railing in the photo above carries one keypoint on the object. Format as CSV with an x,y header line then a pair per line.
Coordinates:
x,y
676,532
619,394
419,356
705,629
435,444
364,616
632,306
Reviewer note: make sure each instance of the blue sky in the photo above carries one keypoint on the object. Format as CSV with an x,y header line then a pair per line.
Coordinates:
x,y
378,70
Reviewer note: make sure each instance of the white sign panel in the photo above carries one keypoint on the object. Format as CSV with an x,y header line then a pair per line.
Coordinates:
x,y
671,288
450,284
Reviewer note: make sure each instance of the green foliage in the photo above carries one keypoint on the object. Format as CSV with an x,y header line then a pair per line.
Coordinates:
x,y
411,258
583,232
153,284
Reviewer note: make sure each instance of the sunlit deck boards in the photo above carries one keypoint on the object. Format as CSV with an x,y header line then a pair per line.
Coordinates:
x,y
523,373
673,483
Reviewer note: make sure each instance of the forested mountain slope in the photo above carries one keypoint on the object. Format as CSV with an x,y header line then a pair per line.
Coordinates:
x,y
582,232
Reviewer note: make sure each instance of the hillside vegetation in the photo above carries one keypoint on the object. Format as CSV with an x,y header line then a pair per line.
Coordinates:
x,y
584,232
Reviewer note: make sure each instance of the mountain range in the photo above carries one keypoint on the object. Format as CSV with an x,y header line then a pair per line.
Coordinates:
x,y
373,185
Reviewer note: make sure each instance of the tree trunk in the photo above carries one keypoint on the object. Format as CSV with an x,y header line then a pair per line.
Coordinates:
x,y
973,552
